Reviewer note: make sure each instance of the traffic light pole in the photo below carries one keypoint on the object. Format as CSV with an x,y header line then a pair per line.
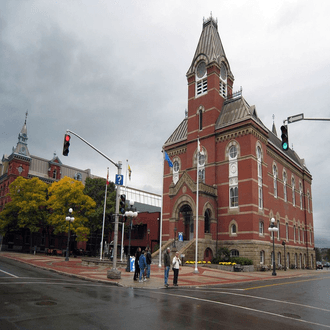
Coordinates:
x,y
113,273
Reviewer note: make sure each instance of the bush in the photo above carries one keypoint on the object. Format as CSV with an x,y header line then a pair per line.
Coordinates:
x,y
242,261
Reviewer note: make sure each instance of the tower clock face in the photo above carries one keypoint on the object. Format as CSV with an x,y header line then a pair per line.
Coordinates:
x,y
201,69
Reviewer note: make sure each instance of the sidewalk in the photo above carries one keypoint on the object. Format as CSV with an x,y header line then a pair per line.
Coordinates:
x,y
187,277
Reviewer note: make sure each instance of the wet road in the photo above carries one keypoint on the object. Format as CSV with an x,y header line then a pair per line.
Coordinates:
x,y
31,298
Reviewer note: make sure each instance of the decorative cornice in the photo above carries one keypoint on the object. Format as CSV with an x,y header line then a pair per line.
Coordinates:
x,y
233,134
177,151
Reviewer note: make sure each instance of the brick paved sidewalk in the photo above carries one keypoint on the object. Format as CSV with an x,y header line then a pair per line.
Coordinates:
x,y
187,278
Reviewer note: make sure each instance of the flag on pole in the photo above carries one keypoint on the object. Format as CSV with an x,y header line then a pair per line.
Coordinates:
x,y
108,176
170,164
129,172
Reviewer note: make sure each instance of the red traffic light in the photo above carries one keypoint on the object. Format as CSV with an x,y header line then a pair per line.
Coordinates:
x,y
66,144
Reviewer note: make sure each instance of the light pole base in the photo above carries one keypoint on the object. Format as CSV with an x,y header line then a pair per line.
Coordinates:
x,y
114,274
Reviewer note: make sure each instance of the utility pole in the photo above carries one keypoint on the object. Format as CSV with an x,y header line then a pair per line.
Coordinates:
x,y
113,273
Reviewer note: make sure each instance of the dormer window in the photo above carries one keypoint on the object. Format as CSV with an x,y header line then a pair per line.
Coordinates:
x,y
201,78
223,80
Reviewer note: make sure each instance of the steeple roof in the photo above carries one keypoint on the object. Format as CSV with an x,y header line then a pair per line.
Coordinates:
x,y
209,47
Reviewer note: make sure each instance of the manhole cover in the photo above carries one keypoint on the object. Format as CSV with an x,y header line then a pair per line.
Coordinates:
x,y
46,303
294,316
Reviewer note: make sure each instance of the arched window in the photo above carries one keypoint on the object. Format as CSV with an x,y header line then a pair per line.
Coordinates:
x,y
293,192
200,114
201,78
259,164
262,257
301,195
233,229
54,174
287,231
275,180
261,227
207,220
284,187
234,253
233,174
294,233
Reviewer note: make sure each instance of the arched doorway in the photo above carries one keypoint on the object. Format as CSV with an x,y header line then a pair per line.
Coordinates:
x,y
208,255
188,222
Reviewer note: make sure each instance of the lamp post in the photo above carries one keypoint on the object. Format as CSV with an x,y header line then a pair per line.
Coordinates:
x,y
273,229
283,243
70,219
130,214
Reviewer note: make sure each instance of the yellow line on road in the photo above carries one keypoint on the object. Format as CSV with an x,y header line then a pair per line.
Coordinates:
x,y
275,284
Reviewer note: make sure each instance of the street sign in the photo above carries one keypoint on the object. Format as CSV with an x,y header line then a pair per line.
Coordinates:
x,y
119,179
295,118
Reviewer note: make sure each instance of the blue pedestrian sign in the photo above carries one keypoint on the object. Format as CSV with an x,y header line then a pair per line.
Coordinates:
x,y
119,179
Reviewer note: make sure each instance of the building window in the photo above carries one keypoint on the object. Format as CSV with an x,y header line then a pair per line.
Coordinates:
x,y
308,207
294,234
293,193
233,175
54,174
284,187
223,81
233,229
301,195
278,229
201,79
234,253
298,230
262,257
207,217
287,231
275,180
279,258
259,164
261,227
200,113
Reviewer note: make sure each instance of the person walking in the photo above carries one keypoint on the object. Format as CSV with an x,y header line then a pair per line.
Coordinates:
x,y
142,265
148,257
136,264
176,266
167,264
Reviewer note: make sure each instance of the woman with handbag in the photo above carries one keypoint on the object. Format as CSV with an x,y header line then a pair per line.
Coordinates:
x,y
176,266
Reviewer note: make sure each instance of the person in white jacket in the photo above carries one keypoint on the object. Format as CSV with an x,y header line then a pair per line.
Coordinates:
x,y
176,266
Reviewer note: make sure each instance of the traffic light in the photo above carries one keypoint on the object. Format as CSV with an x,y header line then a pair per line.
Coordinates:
x,y
284,137
122,204
66,144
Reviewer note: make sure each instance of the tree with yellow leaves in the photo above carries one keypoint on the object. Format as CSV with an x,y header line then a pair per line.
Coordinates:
x,y
27,209
69,193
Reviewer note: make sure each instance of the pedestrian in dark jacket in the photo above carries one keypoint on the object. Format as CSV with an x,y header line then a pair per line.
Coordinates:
x,y
142,265
136,264
167,264
148,257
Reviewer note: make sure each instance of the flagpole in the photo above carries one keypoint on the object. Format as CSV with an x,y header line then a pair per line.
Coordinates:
x,y
105,203
197,201
161,216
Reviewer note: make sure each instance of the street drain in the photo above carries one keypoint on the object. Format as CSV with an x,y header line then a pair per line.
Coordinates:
x,y
294,316
46,303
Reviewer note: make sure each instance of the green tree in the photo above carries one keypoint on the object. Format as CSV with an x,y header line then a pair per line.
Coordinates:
x,y
318,256
27,209
95,188
69,193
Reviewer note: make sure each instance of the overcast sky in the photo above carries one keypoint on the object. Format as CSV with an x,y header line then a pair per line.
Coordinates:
x,y
114,72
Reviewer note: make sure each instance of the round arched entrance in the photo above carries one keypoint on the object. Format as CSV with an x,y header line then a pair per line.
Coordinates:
x,y
188,222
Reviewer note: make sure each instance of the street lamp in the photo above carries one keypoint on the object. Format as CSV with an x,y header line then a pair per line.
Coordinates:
x,y
70,219
283,243
130,214
273,229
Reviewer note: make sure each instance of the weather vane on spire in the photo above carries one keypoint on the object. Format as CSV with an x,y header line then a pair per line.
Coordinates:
x,y
26,114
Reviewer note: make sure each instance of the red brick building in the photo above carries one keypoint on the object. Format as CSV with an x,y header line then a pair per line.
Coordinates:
x,y
245,178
